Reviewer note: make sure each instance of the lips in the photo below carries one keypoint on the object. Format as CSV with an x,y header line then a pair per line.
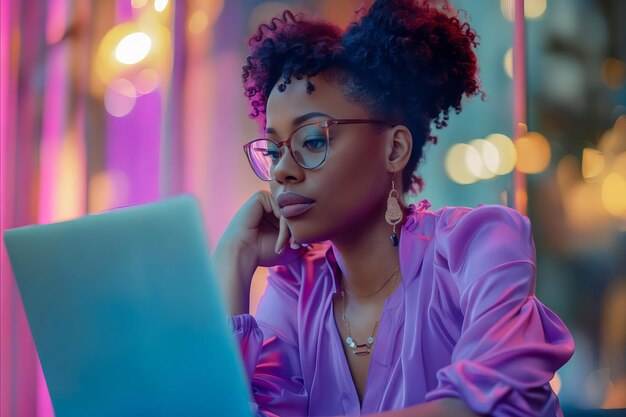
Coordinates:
x,y
292,204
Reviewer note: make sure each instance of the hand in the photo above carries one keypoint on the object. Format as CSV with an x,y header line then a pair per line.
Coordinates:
x,y
260,234
256,236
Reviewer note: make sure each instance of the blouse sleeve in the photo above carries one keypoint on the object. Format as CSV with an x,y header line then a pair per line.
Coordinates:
x,y
269,347
510,344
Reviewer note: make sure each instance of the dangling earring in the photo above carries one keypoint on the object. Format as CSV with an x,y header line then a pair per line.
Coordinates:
x,y
394,214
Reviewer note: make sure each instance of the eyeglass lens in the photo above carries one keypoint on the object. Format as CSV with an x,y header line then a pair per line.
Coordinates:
x,y
309,146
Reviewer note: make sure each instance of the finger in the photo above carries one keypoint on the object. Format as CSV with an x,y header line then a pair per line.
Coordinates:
x,y
274,204
283,236
269,206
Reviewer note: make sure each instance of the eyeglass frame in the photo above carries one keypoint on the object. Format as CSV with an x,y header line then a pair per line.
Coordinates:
x,y
324,124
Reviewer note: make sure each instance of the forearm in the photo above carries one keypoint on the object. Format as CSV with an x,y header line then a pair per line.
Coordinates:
x,y
234,275
447,407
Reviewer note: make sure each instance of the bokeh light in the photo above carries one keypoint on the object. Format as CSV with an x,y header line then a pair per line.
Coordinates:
x,y
614,194
610,143
507,153
619,164
567,172
481,159
474,161
108,67
593,163
508,62
458,160
533,153
583,206
138,4
533,9
160,5
133,48
120,97
613,73
146,81
213,10
489,159
206,15
198,22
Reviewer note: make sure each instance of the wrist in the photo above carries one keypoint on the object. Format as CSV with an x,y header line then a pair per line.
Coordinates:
x,y
236,257
234,268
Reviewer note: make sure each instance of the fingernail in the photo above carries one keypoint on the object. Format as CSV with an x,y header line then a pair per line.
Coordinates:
x,y
279,251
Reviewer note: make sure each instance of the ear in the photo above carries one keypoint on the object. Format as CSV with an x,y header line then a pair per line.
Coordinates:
x,y
399,146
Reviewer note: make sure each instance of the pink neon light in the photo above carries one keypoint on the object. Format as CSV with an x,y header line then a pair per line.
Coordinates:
x,y
7,286
52,132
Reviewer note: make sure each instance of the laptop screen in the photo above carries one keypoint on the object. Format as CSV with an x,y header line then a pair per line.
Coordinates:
x,y
126,315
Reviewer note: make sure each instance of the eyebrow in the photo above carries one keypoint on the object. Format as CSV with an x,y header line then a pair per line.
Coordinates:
x,y
301,119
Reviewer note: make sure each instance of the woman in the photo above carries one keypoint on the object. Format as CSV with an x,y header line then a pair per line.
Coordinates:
x,y
373,306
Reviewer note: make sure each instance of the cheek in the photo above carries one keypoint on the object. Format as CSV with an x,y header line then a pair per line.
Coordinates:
x,y
359,168
348,188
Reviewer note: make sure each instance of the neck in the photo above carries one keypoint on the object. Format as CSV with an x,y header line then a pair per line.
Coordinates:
x,y
366,256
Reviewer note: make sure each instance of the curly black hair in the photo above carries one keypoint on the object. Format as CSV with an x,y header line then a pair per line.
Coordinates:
x,y
404,60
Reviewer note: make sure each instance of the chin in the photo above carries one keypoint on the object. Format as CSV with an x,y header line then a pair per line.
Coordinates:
x,y
307,232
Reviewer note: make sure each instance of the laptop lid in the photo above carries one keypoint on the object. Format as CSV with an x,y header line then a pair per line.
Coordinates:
x,y
126,315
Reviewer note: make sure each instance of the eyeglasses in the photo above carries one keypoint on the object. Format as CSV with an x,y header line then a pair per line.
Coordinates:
x,y
308,146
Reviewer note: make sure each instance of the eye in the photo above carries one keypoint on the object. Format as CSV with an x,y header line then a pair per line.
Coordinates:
x,y
314,143
273,154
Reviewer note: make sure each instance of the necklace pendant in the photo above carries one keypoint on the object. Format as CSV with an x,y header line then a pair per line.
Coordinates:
x,y
350,342
361,350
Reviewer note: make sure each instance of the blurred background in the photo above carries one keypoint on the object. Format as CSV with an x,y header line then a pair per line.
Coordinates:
x,y
108,103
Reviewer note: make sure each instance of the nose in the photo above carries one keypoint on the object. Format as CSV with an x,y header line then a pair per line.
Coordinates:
x,y
287,169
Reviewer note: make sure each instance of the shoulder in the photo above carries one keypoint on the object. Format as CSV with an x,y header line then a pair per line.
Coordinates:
x,y
461,220
486,230
484,215
489,242
470,241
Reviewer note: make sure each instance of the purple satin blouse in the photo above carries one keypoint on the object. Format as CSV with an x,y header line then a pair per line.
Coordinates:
x,y
464,323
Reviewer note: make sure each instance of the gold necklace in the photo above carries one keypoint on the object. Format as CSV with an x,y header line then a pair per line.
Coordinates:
x,y
365,348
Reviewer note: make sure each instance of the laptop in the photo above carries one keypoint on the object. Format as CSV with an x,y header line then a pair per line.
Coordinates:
x,y
126,315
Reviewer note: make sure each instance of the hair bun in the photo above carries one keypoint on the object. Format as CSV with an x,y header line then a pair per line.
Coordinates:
x,y
415,50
